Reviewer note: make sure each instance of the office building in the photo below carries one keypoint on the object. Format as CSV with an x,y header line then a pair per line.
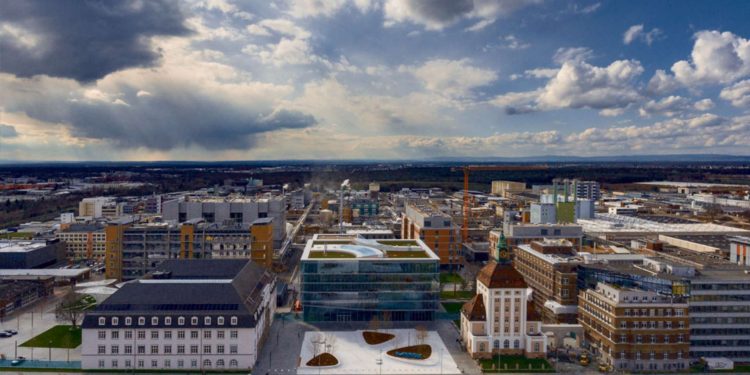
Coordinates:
x,y
188,315
99,207
434,228
636,330
543,213
133,250
236,209
550,269
738,253
349,278
587,190
83,241
21,291
507,188
25,254
501,319
525,233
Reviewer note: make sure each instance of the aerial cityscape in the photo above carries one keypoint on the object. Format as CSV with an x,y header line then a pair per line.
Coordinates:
x,y
374,186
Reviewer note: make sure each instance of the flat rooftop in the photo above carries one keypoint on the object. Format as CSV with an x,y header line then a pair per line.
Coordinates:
x,y
613,223
20,246
353,247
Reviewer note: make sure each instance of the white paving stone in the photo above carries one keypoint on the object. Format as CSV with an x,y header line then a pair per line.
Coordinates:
x,y
357,357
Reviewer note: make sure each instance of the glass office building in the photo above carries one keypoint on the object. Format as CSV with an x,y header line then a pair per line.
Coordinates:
x,y
348,278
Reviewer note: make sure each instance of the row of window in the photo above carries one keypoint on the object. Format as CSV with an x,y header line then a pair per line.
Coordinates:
x,y
166,349
167,335
167,320
180,363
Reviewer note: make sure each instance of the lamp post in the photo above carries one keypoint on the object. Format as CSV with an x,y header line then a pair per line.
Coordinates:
x,y
49,354
379,362
441,361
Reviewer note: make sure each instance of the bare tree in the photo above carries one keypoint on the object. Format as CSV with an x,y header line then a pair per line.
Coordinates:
x,y
72,307
314,344
330,343
713,211
375,324
421,334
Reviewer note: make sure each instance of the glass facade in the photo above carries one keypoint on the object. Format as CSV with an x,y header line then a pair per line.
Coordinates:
x,y
359,290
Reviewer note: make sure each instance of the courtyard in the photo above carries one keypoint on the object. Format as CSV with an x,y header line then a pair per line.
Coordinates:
x,y
355,356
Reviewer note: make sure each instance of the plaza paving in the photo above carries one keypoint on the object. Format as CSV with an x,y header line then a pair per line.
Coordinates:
x,y
357,357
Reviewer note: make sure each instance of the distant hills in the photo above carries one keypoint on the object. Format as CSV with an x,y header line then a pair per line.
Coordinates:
x,y
602,159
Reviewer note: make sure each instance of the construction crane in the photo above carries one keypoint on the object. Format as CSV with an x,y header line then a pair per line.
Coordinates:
x,y
467,197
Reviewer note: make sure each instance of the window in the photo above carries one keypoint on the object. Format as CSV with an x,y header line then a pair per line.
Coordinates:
x,y
497,344
206,334
154,349
168,320
154,334
181,335
167,335
193,334
506,344
193,349
154,321
233,363
193,363
141,321
233,320
194,320
154,363
516,344
180,363
128,321
232,334
167,349
167,363
219,334
115,320
181,321
101,363
219,363
141,335
140,363
180,349
102,335
141,349
232,349
115,335
220,349
206,363
220,320
102,321
206,349
101,349
128,363
207,320
128,349
115,349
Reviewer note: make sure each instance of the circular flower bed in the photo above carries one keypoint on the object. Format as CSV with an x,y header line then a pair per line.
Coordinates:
x,y
416,352
323,360
375,338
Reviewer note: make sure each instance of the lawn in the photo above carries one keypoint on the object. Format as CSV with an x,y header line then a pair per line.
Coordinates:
x,y
62,336
459,294
450,277
406,254
398,243
452,307
515,363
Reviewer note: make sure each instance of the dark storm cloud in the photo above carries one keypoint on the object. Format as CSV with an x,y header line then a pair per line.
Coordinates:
x,y
83,40
7,131
165,122
440,11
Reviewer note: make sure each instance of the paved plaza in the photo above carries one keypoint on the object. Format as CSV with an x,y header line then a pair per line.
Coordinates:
x,y
357,357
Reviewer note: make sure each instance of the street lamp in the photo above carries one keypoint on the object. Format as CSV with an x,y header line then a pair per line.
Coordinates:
x,y
379,362
49,355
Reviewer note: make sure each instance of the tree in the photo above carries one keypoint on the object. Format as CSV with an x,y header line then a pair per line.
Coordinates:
x,y
713,211
421,334
330,343
72,307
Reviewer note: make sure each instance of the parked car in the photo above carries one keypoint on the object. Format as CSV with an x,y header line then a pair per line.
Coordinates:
x,y
18,361
5,334
11,331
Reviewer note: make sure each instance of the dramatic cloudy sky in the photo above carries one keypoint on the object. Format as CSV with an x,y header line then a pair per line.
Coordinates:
x,y
282,79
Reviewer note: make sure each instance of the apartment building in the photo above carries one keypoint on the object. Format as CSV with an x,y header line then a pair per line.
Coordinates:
x,y
501,319
133,250
550,269
83,241
587,190
506,188
636,330
188,315
434,228
231,209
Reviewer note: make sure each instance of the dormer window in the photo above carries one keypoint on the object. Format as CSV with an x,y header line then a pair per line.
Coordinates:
x,y
194,321
220,320
168,320
154,321
141,321
207,320
181,321
102,321
115,320
233,321
128,321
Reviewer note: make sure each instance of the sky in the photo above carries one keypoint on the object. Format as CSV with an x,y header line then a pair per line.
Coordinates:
x,y
371,79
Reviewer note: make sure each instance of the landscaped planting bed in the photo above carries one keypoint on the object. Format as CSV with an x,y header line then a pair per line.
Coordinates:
x,y
375,338
323,360
416,352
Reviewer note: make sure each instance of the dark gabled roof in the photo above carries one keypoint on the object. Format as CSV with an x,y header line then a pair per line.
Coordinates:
x,y
221,293
195,269
532,315
474,309
501,275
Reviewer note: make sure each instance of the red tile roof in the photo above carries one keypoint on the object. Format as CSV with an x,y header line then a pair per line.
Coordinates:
x,y
501,275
